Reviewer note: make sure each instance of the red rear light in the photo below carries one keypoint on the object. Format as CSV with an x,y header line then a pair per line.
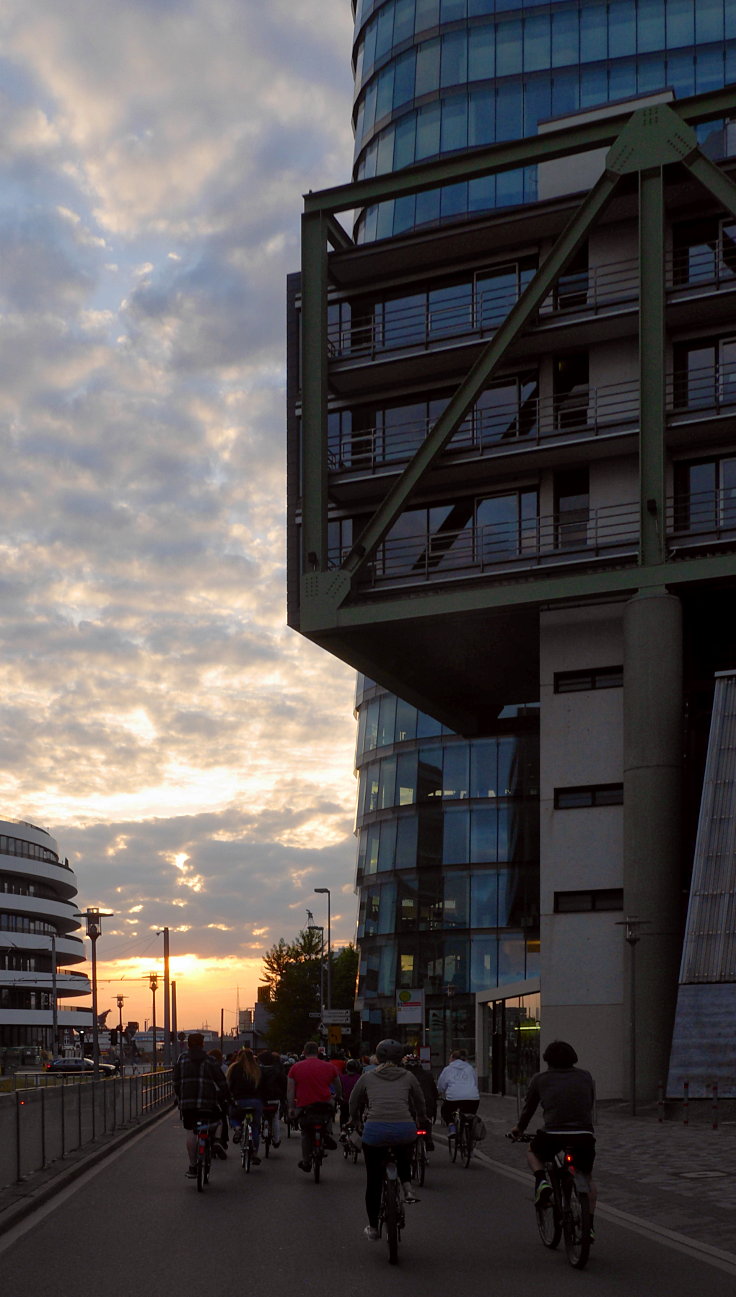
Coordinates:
x,y
421,1132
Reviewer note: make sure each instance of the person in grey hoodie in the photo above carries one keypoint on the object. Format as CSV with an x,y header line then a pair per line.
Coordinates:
x,y
458,1088
390,1102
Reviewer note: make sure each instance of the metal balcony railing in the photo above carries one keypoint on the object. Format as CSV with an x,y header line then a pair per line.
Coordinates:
x,y
492,428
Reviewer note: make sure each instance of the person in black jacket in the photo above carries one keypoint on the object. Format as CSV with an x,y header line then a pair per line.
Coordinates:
x,y
429,1090
272,1090
201,1092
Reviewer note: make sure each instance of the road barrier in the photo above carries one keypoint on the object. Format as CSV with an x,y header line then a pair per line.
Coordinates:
x,y
40,1125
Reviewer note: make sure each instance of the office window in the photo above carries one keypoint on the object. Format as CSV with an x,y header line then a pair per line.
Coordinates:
x,y
589,795
607,898
569,682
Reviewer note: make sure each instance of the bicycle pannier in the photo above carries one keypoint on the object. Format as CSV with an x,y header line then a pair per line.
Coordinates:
x,y
478,1128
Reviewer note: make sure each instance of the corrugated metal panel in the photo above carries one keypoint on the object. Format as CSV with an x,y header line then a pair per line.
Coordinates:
x,y
709,950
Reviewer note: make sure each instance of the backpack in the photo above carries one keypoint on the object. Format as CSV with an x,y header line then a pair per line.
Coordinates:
x,y
478,1128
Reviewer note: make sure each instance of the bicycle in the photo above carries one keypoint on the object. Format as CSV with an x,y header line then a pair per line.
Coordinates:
x,y
461,1142
391,1212
419,1156
204,1131
350,1148
247,1147
315,1118
567,1212
269,1112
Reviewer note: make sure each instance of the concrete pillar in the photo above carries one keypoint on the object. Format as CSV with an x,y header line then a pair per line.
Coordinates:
x,y
652,830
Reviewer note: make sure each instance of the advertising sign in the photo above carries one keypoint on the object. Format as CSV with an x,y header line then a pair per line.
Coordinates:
x,y
410,1006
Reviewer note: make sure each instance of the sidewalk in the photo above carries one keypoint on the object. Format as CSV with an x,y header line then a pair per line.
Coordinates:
x,y
676,1177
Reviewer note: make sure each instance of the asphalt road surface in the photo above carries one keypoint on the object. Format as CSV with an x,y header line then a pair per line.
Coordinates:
x,y
134,1226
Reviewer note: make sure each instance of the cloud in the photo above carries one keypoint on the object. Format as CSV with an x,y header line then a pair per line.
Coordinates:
x,y
152,163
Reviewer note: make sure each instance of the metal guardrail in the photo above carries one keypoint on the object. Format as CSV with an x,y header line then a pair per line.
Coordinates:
x,y
43,1124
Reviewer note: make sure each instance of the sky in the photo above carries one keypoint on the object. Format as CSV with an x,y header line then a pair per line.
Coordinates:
x,y
191,754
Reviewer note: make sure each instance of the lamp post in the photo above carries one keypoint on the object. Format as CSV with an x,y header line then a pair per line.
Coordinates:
x,y
153,983
325,891
93,918
316,927
167,1000
120,1002
632,936
54,1001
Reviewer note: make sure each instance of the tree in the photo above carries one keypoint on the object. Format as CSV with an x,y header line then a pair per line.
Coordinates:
x,y
292,973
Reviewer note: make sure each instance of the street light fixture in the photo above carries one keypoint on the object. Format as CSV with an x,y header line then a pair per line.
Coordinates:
x,y
325,891
120,1003
93,918
153,983
317,927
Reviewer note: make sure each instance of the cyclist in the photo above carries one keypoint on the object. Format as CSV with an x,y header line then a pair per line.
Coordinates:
x,y
244,1080
202,1094
272,1090
313,1083
567,1096
429,1090
393,1103
458,1088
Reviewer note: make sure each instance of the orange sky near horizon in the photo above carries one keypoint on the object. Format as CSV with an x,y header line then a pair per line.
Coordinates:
x,y
204,989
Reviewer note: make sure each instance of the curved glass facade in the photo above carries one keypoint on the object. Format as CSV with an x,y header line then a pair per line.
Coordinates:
x,y
434,77
448,863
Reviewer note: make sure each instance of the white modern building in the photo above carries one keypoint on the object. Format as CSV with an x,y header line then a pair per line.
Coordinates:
x,y
39,945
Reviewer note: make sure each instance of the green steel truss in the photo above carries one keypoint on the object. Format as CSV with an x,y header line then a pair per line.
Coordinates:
x,y
641,143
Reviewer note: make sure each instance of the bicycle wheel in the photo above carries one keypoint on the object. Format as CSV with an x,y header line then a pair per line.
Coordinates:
x,y
420,1162
392,1216
467,1143
549,1221
316,1164
266,1135
576,1224
200,1173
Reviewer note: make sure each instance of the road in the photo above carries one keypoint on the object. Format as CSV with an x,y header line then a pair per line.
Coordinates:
x,y
135,1227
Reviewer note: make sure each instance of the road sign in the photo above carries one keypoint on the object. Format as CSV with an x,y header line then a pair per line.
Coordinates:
x,y
315,1015
336,1017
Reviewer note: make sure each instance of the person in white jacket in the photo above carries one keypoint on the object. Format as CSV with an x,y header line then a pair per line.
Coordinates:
x,y
457,1085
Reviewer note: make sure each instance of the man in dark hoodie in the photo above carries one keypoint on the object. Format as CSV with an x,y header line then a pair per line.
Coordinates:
x,y
567,1096
393,1103
201,1091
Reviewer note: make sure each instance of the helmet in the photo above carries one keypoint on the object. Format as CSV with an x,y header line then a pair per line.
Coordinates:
x,y
353,1066
389,1051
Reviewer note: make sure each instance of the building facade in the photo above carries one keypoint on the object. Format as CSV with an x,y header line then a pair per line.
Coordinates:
x,y
39,945
511,467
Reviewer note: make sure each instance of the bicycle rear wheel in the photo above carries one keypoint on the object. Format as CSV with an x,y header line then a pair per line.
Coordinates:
x,y
201,1181
452,1143
420,1158
576,1224
467,1143
392,1217
266,1133
316,1164
549,1222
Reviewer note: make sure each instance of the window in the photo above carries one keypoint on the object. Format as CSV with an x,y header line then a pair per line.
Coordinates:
x,y
705,373
571,391
571,508
606,898
589,795
704,251
569,682
705,495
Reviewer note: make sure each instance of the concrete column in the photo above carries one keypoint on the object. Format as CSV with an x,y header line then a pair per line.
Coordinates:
x,y
652,828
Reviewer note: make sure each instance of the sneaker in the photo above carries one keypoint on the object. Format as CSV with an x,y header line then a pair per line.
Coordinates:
x,y
409,1195
255,1160
371,1233
543,1194
237,1135
304,1166
191,1174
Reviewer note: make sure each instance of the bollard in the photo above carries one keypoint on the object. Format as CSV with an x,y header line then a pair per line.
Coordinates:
x,y
660,1102
685,1103
715,1105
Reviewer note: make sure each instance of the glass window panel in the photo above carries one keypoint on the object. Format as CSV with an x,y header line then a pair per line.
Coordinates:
x,y
373,839
454,129
456,962
508,50
428,67
537,47
387,846
482,193
455,774
385,219
387,909
406,842
386,792
511,958
406,721
429,835
708,70
456,835
476,8
484,768
622,80
371,724
430,902
650,25
483,835
403,20
496,292
593,32
404,79
428,207
428,14
681,73
454,59
484,898
386,720
450,10
537,103
730,22
371,787
405,133
406,778
565,36
481,53
427,726
385,158
387,970
407,916
456,889
508,773
622,29
680,17
385,30
429,773
510,188
481,125
385,92
651,74
428,144
483,963
566,93
369,55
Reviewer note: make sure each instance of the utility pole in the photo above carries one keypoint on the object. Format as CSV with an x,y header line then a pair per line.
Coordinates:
x,y
167,1000
94,918
174,1025
153,983
325,891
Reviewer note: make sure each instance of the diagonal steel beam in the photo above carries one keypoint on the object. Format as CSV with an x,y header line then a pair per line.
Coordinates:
x,y
714,180
490,358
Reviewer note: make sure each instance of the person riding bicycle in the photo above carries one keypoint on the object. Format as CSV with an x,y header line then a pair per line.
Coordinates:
x,y
349,1080
429,1090
567,1096
312,1086
244,1082
393,1103
202,1094
272,1090
458,1088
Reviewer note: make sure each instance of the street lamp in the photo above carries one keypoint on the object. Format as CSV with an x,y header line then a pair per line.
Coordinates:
x,y
632,936
153,983
325,891
93,918
167,999
316,927
120,1003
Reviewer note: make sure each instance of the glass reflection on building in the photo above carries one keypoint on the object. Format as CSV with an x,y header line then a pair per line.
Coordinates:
x,y
448,864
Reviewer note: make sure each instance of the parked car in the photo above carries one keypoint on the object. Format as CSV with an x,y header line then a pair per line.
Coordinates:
x,y
70,1066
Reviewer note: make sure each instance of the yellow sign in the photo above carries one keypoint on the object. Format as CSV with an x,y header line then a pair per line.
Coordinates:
x,y
334,1034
